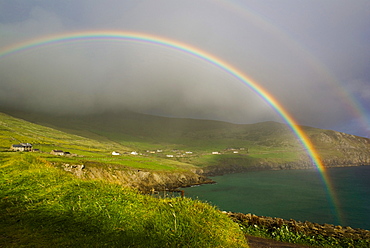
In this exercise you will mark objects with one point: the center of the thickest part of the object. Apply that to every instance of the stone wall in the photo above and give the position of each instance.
(308, 228)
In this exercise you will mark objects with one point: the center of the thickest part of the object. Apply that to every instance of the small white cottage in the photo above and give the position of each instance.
(57, 152)
(22, 147)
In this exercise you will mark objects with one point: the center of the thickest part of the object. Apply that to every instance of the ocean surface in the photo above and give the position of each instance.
(294, 194)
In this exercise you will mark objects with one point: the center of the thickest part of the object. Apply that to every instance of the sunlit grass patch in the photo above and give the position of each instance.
(42, 206)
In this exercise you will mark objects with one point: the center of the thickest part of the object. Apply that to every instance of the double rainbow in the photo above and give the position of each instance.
(355, 107)
(193, 51)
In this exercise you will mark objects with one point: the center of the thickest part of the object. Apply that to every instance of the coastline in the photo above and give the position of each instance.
(352, 203)
(212, 171)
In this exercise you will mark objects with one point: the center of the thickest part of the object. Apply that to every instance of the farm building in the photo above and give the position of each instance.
(22, 147)
(57, 152)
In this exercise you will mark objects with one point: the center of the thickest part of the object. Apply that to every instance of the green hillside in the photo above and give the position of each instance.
(147, 130)
(82, 149)
(187, 140)
(14, 130)
(172, 143)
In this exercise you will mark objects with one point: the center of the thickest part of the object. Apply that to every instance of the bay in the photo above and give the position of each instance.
(294, 194)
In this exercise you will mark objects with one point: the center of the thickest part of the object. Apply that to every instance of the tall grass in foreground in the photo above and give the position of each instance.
(41, 206)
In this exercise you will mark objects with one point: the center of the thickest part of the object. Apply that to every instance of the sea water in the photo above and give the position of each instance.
(294, 194)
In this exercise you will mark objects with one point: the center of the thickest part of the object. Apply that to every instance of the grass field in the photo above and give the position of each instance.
(42, 206)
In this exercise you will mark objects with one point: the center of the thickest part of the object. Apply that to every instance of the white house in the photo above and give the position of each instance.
(115, 153)
(57, 152)
(22, 147)
(134, 153)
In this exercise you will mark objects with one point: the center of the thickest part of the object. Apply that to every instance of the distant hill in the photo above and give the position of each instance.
(215, 146)
(15, 130)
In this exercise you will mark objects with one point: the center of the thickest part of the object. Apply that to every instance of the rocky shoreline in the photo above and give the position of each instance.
(307, 228)
(302, 165)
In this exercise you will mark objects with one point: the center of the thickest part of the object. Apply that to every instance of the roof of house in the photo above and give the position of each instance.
(17, 146)
(22, 145)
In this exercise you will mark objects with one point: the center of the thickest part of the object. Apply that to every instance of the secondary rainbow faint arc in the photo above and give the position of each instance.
(242, 9)
(165, 42)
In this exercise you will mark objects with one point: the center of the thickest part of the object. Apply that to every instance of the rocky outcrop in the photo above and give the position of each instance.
(345, 149)
(307, 228)
(145, 181)
(76, 169)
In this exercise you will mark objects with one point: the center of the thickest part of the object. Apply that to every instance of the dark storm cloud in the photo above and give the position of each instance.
(304, 52)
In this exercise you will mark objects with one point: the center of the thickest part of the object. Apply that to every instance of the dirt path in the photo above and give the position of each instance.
(255, 242)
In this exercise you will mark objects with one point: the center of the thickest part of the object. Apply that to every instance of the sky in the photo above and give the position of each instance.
(313, 56)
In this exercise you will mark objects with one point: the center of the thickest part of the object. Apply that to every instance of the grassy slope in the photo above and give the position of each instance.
(42, 206)
(14, 131)
(263, 141)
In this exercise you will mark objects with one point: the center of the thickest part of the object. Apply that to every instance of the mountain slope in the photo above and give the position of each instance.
(86, 150)
(14, 130)
(253, 146)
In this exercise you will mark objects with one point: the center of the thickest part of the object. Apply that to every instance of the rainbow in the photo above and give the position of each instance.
(193, 51)
(353, 105)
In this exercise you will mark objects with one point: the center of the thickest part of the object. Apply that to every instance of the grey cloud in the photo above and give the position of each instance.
(303, 53)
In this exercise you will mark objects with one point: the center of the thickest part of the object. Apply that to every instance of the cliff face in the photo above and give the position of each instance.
(340, 149)
(336, 149)
(145, 181)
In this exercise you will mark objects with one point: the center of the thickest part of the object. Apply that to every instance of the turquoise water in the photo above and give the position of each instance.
(293, 194)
